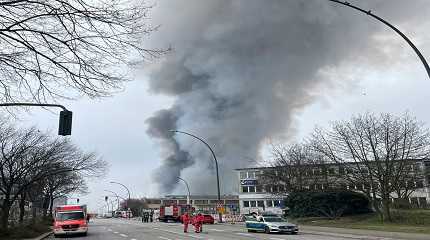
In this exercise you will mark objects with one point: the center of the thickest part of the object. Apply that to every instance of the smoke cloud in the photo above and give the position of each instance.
(242, 69)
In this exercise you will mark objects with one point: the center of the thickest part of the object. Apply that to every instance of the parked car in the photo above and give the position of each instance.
(208, 219)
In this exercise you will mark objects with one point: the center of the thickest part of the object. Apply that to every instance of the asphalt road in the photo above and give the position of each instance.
(123, 229)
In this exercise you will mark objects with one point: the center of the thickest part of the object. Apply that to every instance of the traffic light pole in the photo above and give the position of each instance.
(65, 122)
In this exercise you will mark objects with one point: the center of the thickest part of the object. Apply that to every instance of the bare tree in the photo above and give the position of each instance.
(376, 152)
(30, 158)
(48, 46)
(298, 168)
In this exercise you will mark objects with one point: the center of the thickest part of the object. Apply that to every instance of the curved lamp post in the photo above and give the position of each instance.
(188, 189)
(214, 157)
(411, 44)
(117, 197)
(126, 203)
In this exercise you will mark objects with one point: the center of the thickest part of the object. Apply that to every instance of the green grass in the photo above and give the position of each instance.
(411, 221)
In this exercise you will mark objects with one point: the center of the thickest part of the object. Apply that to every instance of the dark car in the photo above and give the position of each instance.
(208, 219)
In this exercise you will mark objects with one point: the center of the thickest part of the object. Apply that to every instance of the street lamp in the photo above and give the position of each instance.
(188, 189)
(216, 164)
(117, 197)
(369, 13)
(65, 120)
(126, 203)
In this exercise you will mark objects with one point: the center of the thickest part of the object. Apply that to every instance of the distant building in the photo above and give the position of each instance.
(203, 203)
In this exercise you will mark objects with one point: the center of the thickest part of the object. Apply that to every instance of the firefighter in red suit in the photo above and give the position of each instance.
(200, 220)
(186, 220)
(195, 223)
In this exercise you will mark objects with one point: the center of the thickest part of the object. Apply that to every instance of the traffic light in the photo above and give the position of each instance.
(65, 123)
(106, 198)
(77, 200)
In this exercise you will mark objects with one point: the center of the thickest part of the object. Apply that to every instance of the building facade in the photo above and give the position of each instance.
(256, 194)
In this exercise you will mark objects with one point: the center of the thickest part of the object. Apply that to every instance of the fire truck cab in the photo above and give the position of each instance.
(70, 220)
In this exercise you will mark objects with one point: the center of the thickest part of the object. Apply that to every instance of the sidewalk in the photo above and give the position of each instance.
(361, 234)
(353, 233)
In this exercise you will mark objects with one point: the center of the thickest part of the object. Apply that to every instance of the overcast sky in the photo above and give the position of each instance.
(270, 71)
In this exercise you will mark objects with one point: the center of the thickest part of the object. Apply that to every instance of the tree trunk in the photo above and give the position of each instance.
(22, 208)
(386, 209)
(51, 203)
(5, 215)
(376, 206)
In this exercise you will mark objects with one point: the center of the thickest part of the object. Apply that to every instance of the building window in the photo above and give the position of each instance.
(253, 203)
(260, 203)
(245, 189)
(277, 203)
(251, 188)
(242, 175)
(259, 188)
(245, 203)
(269, 203)
(268, 188)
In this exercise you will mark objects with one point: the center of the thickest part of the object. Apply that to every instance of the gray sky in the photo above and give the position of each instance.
(245, 73)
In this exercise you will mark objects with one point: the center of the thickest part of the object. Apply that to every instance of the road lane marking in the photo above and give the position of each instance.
(277, 239)
(133, 239)
(245, 234)
(164, 238)
(116, 232)
(216, 230)
(123, 235)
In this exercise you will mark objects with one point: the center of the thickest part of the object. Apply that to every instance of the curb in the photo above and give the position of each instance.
(43, 236)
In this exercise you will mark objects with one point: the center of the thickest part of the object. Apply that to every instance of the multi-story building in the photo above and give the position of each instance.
(257, 194)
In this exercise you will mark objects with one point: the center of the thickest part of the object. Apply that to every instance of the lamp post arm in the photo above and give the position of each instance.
(411, 44)
(188, 188)
(34, 105)
(213, 155)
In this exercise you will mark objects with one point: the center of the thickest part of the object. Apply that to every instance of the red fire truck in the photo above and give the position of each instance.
(172, 212)
(70, 219)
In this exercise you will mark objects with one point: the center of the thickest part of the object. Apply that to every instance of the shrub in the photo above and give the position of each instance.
(326, 204)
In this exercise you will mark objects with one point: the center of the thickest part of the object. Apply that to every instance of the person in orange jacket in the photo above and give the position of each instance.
(200, 220)
(186, 220)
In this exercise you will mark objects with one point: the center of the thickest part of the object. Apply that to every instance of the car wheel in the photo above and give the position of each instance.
(294, 233)
(267, 229)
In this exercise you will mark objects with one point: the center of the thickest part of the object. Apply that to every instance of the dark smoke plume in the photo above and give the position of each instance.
(242, 69)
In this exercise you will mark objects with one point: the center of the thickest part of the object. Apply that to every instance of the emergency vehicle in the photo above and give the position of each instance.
(70, 220)
(172, 212)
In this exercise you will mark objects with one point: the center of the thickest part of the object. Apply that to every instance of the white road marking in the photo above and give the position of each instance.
(164, 238)
(123, 235)
(277, 239)
(110, 230)
(245, 234)
(133, 239)
(216, 230)
(116, 232)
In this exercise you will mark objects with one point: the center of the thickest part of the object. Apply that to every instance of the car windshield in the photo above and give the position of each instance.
(65, 216)
(274, 219)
